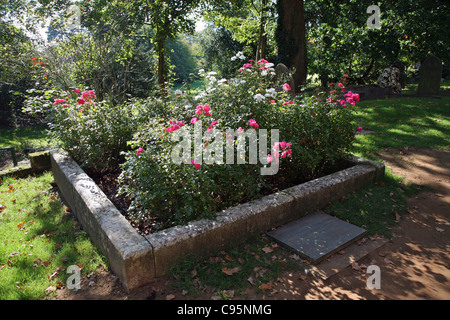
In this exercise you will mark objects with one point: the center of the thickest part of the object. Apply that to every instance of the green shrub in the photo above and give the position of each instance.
(315, 133)
(93, 133)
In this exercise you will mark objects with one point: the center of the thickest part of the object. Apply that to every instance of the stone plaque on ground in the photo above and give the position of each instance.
(317, 236)
(430, 75)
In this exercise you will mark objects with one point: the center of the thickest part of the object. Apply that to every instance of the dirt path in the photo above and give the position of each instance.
(414, 265)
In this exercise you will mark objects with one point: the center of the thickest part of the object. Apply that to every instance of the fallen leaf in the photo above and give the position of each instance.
(170, 297)
(46, 263)
(267, 249)
(54, 274)
(228, 258)
(355, 266)
(388, 261)
(12, 254)
(397, 217)
(229, 271)
(251, 281)
(50, 289)
(303, 276)
(295, 257)
(266, 286)
(439, 229)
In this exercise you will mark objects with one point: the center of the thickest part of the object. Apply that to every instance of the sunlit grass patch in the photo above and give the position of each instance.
(39, 240)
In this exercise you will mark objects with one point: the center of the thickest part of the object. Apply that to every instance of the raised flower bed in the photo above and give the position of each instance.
(138, 259)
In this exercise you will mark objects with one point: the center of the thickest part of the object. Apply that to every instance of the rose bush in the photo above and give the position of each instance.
(316, 132)
(93, 132)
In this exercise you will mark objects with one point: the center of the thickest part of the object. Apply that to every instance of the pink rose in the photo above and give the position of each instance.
(81, 101)
(197, 166)
(286, 87)
(194, 120)
(140, 150)
(359, 129)
(269, 158)
(340, 85)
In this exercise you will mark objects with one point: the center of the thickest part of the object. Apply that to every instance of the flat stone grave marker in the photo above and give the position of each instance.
(430, 75)
(317, 236)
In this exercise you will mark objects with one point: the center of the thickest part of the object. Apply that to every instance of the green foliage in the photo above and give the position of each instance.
(217, 47)
(93, 133)
(341, 43)
(317, 130)
(250, 23)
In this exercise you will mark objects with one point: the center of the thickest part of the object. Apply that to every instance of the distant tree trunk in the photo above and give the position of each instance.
(291, 38)
(262, 40)
(161, 62)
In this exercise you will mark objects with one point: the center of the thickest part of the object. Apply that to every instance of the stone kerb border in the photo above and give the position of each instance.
(137, 260)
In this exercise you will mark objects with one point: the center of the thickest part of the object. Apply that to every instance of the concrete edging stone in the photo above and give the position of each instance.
(137, 260)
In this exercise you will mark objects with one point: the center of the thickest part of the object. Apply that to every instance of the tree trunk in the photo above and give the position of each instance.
(291, 39)
(161, 78)
(262, 40)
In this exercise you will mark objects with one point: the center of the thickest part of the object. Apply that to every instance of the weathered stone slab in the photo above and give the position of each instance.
(370, 92)
(40, 160)
(129, 254)
(282, 76)
(430, 75)
(317, 236)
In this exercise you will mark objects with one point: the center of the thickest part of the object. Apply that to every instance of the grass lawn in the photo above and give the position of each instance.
(39, 240)
(396, 123)
(21, 138)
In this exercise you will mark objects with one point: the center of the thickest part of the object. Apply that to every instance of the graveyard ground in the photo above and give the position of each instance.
(414, 264)
(411, 135)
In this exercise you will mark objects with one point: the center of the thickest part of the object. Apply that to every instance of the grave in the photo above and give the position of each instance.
(370, 92)
(282, 76)
(317, 236)
(430, 75)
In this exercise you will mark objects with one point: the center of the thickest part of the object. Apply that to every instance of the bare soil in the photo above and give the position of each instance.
(415, 264)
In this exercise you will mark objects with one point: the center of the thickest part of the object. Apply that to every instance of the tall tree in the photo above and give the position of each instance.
(290, 35)
(251, 22)
(167, 18)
